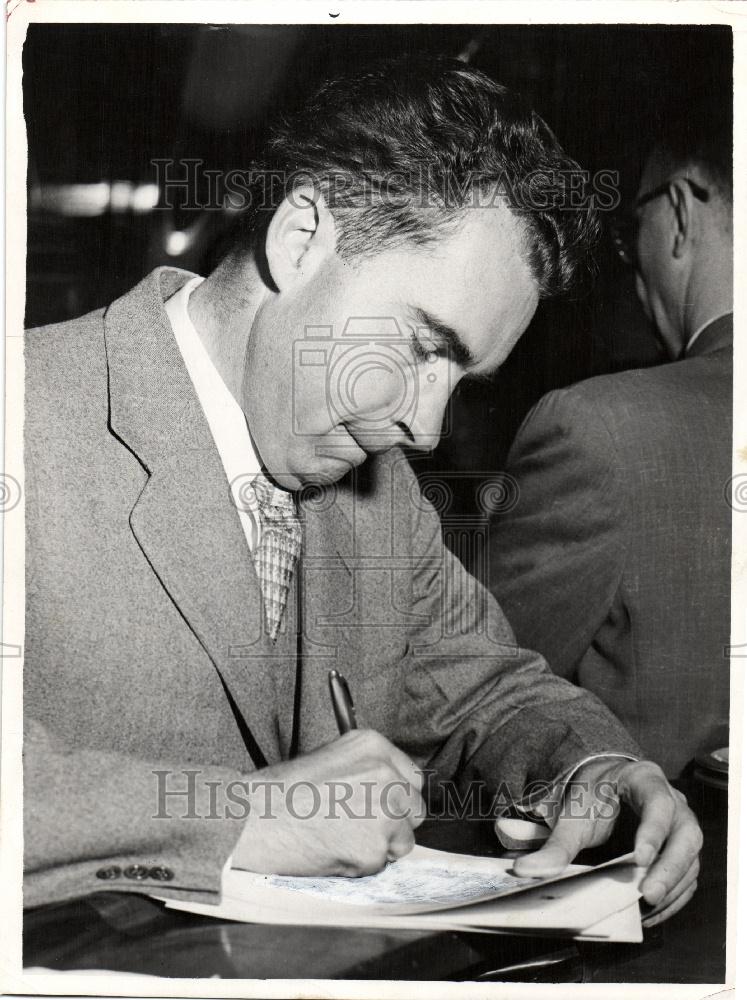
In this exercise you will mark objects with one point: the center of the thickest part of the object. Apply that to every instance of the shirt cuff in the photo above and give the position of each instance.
(541, 803)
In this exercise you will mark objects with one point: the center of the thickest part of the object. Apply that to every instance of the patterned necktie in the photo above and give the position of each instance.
(279, 546)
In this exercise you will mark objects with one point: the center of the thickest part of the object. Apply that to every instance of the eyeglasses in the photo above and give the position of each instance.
(624, 231)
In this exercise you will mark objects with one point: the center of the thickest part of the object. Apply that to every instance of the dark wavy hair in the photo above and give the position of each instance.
(401, 148)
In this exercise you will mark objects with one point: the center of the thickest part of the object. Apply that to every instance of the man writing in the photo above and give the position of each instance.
(178, 627)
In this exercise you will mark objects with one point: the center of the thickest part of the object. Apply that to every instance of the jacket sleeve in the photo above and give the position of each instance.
(477, 704)
(123, 823)
(556, 559)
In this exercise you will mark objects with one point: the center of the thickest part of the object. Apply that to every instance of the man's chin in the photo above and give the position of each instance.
(330, 468)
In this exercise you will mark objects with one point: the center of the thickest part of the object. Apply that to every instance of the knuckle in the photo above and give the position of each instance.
(403, 841)
(417, 816)
(364, 867)
(698, 837)
(690, 830)
(383, 772)
(416, 778)
(647, 767)
(347, 869)
(356, 737)
(368, 738)
(373, 859)
(696, 844)
(404, 815)
(626, 770)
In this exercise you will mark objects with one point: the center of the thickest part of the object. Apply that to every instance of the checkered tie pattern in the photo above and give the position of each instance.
(279, 547)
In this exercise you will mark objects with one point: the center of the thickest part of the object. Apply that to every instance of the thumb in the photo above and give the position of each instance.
(560, 848)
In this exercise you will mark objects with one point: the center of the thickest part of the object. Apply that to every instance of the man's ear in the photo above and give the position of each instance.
(681, 198)
(300, 236)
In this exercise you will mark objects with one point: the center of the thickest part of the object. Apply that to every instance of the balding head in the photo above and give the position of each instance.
(684, 219)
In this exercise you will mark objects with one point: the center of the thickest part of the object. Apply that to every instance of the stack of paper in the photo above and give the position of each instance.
(437, 890)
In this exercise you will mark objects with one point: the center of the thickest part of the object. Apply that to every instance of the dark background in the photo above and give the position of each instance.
(102, 101)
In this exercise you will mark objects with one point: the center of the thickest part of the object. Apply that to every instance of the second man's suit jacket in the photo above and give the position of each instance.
(145, 653)
(615, 561)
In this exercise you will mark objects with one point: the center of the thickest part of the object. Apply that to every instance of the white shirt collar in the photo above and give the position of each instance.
(224, 416)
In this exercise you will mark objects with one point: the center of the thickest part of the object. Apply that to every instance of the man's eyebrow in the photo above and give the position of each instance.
(459, 350)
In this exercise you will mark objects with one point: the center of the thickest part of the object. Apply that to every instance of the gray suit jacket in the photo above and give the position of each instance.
(145, 648)
(615, 562)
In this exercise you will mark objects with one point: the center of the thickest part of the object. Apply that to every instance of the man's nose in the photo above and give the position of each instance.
(427, 421)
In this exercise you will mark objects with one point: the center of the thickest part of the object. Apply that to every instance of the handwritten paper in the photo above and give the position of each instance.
(422, 882)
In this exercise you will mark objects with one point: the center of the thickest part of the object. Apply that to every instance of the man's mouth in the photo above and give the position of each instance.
(345, 448)
(373, 440)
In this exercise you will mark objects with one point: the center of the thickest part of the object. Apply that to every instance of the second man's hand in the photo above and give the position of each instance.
(345, 809)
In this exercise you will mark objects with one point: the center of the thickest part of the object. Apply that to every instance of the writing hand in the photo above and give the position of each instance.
(345, 809)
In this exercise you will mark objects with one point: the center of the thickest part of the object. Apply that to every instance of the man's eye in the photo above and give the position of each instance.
(424, 350)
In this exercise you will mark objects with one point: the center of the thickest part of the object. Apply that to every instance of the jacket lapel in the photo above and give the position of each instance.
(184, 519)
(716, 336)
